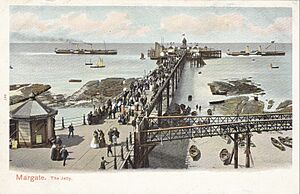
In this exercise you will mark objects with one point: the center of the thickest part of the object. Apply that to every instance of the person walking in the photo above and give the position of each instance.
(110, 134)
(64, 154)
(133, 123)
(103, 163)
(109, 150)
(71, 130)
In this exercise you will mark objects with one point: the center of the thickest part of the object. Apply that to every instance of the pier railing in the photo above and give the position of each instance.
(217, 129)
(175, 121)
(64, 122)
(166, 85)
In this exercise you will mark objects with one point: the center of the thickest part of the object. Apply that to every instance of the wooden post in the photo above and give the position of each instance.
(84, 120)
(130, 138)
(236, 152)
(127, 144)
(62, 122)
(248, 141)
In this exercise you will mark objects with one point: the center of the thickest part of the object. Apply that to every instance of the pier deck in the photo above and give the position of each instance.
(81, 156)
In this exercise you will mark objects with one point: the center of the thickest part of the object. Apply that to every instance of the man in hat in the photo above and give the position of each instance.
(71, 130)
(64, 154)
(103, 163)
(109, 150)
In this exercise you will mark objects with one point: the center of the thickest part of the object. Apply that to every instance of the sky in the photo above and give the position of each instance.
(146, 24)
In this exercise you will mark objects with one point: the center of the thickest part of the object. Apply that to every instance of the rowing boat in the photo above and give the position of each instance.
(286, 141)
(195, 153)
(277, 144)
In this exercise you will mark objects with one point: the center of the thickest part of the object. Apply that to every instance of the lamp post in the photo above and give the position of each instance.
(114, 140)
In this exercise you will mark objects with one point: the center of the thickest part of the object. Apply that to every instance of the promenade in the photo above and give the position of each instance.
(81, 155)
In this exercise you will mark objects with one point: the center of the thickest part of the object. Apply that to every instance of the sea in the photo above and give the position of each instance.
(38, 63)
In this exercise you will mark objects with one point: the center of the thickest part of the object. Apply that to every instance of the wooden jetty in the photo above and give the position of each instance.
(155, 130)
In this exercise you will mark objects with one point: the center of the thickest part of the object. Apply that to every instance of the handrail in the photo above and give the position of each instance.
(211, 125)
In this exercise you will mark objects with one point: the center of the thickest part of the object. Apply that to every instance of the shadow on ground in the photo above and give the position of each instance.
(72, 141)
(170, 155)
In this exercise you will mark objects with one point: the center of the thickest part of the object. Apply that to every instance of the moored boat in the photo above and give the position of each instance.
(285, 141)
(273, 67)
(142, 56)
(99, 64)
(89, 63)
(75, 80)
(277, 144)
(217, 102)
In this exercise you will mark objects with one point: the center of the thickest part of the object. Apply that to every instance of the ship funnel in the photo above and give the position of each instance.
(247, 49)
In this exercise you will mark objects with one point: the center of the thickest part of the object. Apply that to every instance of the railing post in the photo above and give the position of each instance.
(84, 120)
(130, 138)
(122, 154)
(127, 146)
(62, 122)
(248, 142)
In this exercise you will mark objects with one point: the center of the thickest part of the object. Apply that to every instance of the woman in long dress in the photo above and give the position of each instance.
(102, 142)
(95, 140)
(53, 152)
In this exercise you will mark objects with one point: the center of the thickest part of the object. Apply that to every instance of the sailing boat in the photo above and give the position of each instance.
(89, 63)
(99, 64)
(142, 56)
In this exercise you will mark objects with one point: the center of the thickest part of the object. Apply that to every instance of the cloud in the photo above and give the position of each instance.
(282, 25)
(142, 31)
(26, 21)
(202, 25)
(117, 24)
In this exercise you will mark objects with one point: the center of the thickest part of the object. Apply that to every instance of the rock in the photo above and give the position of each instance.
(99, 91)
(232, 106)
(284, 104)
(236, 87)
(253, 107)
(21, 92)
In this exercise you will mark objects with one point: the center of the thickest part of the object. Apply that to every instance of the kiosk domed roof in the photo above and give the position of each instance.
(32, 108)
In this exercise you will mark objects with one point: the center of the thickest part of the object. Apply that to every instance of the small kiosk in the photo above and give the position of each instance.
(32, 123)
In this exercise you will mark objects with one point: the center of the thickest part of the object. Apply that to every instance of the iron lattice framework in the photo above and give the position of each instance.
(177, 128)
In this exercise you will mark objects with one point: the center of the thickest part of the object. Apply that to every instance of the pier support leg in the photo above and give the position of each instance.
(248, 142)
(168, 95)
(176, 78)
(146, 160)
(236, 152)
(136, 150)
(159, 104)
(173, 85)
